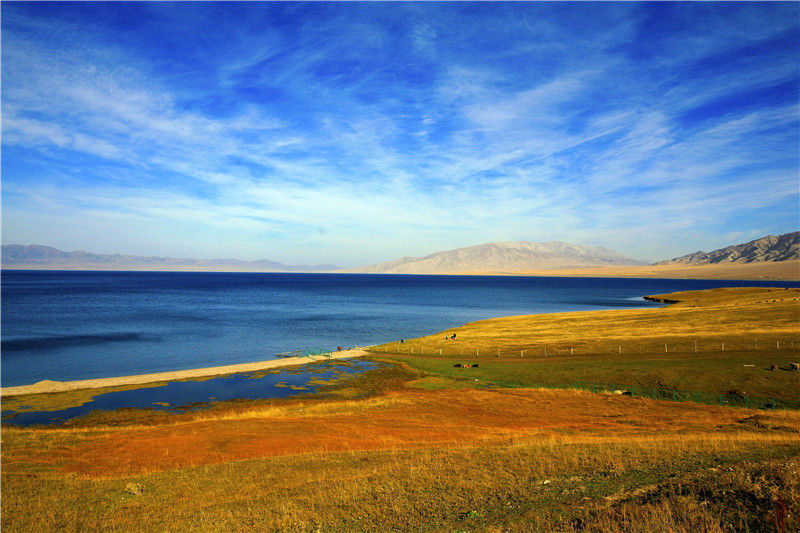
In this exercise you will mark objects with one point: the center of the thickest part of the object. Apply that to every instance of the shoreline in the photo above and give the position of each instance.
(787, 270)
(49, 386)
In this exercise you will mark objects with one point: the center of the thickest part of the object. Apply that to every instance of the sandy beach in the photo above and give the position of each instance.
(60, 386)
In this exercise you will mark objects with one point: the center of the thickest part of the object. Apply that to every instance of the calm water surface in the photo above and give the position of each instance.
(81, 325)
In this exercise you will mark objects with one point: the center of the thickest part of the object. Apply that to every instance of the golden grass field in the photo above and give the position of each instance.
(421, 446)
(736, 317)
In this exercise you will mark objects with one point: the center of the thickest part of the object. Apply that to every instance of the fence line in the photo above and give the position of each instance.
(456, 348)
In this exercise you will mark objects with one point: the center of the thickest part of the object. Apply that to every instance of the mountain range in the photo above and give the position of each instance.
(496, 257)
(769, 248)
(35, 257)
(504, 256)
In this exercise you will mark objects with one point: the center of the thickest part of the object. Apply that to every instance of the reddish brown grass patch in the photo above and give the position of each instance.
(417, 418)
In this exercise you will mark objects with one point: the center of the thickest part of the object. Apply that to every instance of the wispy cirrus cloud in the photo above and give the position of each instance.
(360, 133)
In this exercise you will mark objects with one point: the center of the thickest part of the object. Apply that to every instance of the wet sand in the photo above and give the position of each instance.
(61, 386)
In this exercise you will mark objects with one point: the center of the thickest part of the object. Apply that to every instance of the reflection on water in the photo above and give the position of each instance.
(201, 392)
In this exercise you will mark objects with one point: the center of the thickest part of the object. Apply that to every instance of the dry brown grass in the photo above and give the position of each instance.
(521, 460)
(736, 317)
(398, 420)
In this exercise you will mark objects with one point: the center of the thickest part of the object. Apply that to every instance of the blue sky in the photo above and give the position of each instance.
(354, 133)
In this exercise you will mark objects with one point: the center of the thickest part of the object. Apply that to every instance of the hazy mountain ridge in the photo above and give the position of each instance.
(34, 256)
(491, 257)
(504, 256)
(770, 248)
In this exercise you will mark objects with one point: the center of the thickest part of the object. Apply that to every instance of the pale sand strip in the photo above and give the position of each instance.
(60, 386)
(769, 270)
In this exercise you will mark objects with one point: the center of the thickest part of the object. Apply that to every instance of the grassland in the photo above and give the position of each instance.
(422, 446)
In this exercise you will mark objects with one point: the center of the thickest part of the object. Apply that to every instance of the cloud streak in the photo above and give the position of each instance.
(355, 133)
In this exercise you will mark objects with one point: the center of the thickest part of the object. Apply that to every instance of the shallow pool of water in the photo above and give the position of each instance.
(202, 392)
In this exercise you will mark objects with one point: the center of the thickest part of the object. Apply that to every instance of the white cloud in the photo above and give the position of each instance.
(322, 126)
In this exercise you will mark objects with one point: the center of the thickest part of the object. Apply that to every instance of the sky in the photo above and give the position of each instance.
(354, 133)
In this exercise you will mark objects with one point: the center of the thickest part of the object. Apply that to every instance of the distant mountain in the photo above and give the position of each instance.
(504, 257)
(35, 257)
(769, 248)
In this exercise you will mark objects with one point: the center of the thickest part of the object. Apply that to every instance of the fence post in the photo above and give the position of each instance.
(723, 346)
(674, 395)
(695, 345)
(476, 352)
(620, 348)
(570, 350)
(773, 403)
(545, 351)
(746, 402)
(440, 351)
(665, 348)
(652, 393)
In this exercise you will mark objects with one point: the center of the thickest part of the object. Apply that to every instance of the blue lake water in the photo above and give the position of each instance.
(82, 325)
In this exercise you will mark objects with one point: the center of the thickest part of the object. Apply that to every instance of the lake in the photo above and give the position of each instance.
(81, 325)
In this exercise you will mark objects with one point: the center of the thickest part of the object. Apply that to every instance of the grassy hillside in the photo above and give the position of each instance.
(423, 446)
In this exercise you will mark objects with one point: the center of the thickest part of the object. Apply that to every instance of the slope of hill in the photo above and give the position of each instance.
(770, 248)
(503, 257)
(35, 257)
